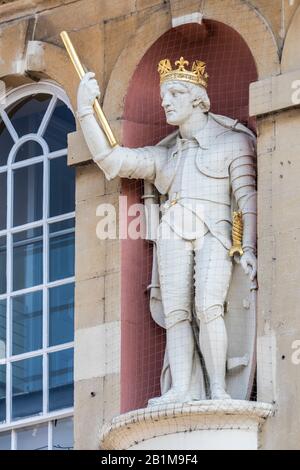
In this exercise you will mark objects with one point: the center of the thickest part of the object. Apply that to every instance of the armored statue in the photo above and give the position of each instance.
(205, 169)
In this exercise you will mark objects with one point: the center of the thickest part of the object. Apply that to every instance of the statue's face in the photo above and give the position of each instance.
(177, 101)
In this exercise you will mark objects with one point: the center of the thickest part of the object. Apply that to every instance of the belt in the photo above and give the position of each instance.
(177, 196)
(172, 201)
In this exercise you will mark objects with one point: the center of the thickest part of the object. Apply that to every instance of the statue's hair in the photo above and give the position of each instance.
(198, 92)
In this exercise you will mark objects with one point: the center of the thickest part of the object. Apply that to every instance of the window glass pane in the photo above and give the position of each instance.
(63, 225)
(28, 150)
(2, 329)
(27, 399)
(28, 258)
(61, 379)
(35, 438)
(2, 393)
(26, 114)
(62, 187)
(61, 250)
(63, 434)
(6, 143)
(2, 265)
(27, 311)
(5, 441)
(3, 197)
(28, 194)
(61, 123)
(61, 314)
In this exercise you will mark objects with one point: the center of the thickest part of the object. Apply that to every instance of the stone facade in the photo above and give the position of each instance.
(112, 36)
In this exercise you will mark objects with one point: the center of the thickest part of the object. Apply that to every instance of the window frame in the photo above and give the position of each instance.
(27, 423)
(50, 88)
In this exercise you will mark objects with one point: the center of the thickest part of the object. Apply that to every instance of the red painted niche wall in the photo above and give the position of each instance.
(231, 69)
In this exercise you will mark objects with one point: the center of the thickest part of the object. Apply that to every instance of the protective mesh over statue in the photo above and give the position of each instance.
(206, 170)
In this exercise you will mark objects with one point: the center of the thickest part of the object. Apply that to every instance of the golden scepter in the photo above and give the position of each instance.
(237, 234)
(81, 72)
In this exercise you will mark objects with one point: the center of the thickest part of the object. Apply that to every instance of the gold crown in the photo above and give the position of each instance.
(197, 75)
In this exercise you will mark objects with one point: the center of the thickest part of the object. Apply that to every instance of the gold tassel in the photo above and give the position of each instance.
(237, 234)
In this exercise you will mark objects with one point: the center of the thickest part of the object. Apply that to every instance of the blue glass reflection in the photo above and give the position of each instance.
(2, 329)
(28, 258)
(28, 194)
(27, 313)
(61, 379)
(61, 250)
(60, 125)
(2, 393)
(35, 438)
(5, 441)
(2, 265)
(3, 204)
(6, 143)
(63, 434)
(26, 114)
(27, 382)
(61, 314)
(29, 149)
(62, 187)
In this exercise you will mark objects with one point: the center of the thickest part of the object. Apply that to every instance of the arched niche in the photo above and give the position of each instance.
(247, 20)
(237, 14)
(232, 68)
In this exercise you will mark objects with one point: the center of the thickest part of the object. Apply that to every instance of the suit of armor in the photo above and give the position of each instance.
(203, 170)
(201, 177)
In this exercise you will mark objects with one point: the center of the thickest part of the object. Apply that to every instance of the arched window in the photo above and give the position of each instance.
(37, 191)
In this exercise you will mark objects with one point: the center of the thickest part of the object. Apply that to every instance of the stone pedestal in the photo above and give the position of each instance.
(202, 425)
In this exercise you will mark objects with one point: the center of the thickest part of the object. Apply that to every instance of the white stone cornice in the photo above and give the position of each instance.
(135, 429)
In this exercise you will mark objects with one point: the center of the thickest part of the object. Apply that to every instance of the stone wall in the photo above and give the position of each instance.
(112, 36)
(279, 296)
(278, 245)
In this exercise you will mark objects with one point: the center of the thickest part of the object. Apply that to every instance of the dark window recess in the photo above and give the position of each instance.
(62, 122)
(27, 114)
(28, 150)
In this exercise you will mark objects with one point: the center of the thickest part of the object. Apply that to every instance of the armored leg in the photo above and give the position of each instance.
(175, 261)
(212, 278)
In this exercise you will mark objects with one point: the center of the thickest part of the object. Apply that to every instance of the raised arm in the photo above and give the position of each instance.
(95, 138)
(117, 161)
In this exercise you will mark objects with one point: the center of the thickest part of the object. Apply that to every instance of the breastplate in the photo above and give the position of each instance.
(191, 179)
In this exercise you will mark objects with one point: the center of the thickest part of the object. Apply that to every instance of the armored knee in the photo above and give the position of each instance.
(207, 314)
(176, 316)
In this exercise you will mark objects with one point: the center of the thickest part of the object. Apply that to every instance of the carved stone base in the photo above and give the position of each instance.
(202, 425)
